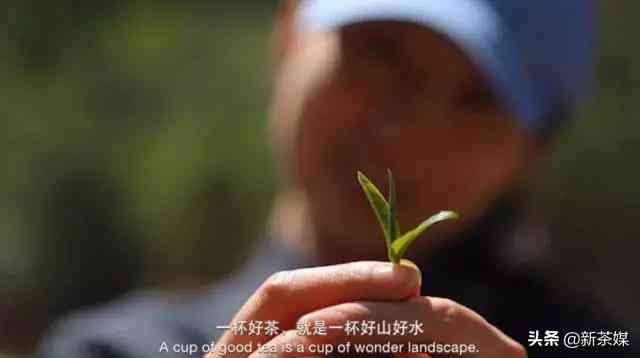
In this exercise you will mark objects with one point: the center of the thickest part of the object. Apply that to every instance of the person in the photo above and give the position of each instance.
(461, 100)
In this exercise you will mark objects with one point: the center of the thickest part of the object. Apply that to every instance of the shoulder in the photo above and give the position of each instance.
(140, 324)
(118, 329)
(137, 325)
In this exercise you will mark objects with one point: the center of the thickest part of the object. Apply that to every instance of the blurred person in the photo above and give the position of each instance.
(461, 100)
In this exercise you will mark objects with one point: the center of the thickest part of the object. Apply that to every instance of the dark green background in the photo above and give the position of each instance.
(133, 153)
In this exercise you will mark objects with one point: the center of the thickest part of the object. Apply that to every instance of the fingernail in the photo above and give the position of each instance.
(411, 264)
(391, 272)
(384, 271)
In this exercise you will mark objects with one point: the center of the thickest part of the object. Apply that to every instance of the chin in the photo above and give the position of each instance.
(350, 232)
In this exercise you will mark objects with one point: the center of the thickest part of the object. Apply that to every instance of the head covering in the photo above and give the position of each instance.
(537, 55)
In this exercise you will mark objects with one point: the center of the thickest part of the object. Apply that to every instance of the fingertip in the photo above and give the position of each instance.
(406, 277)
(410, 264)
(400, 279)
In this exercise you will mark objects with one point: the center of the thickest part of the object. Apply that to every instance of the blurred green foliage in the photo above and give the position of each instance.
(133, 138)
(589, 190)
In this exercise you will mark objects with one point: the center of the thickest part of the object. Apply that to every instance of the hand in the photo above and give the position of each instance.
(366, 290)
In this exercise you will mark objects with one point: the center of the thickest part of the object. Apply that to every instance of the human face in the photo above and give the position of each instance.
(395, 95)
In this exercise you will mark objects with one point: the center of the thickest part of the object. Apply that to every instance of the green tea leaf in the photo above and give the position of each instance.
(401, 244)
(394, 231)
(386, 212)
(378, 203)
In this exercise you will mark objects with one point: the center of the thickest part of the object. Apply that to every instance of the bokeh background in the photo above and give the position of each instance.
(133, 154)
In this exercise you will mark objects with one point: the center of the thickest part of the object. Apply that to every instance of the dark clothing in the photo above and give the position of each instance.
(492, 271)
